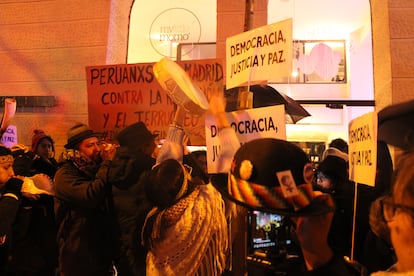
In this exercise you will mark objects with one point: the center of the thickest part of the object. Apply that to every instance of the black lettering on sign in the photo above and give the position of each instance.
(122, 75)
(213, 131)
(215, 152)
(359, 134)
(155, 97)
(204, 72)
(276, 57)
(120, 120)
(155, 117)
(124, 97)
(361, 158)
(254, 126)
(106, 119)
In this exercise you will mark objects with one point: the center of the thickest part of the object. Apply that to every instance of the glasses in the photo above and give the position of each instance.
(389, 208)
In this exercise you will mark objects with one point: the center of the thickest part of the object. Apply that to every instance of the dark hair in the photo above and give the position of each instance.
(163, 183)
(4, 151)
(335, 169)
(198, 171)
(340, 144)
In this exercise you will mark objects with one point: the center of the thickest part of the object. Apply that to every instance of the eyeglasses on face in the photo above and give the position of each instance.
(390, 208)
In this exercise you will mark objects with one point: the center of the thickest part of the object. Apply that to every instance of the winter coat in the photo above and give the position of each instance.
(34, 249)
(10, 200)
(48, 167)
(83, 219)
(130, 209)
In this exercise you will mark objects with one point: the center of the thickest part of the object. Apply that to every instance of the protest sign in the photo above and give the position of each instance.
(263, 53)
(122, 94)
(9, 137)
(249, 124)
(362, 136)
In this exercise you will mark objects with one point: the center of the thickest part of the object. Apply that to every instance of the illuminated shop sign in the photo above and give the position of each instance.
(172, 27)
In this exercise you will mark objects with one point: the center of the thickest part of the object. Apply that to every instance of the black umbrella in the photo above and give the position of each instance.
(396, 124)
(265, 95)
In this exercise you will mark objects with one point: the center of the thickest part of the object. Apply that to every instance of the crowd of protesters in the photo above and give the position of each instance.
(119, 209)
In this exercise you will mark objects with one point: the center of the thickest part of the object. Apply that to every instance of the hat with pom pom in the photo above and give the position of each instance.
(271, 175)
(39, 135)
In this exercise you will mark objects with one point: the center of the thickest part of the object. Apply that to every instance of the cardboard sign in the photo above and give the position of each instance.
(362, 139)
(9, 138)
(122, 94)
(261, 54)
(264, 122)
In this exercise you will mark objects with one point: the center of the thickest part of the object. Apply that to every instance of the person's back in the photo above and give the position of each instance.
(186, 231)
(332, 178)
(133, 157)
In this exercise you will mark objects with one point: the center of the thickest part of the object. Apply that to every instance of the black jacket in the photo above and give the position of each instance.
(83, 219)
(130, 209)
(10, 200)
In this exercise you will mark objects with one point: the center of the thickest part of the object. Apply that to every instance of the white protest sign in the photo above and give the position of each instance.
(362, 138)
(263, 53)
(249, 124)
(9, 137)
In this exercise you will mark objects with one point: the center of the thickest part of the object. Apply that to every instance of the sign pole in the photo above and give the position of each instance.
(354, 220)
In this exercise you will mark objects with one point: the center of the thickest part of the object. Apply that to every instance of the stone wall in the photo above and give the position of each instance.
(44, 48)
(401, 22)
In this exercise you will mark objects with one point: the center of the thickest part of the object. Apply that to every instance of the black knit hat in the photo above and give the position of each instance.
(271, 175)
(135, 135)
(5, 154)
(78, 133)
(335, 168)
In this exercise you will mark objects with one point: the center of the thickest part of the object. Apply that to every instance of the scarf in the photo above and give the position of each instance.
(81, 162)
(194, 241)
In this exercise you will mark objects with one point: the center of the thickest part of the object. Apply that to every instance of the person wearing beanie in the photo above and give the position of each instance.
(37, 249)
(43, 147)
(83, 205)
(38, 137)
